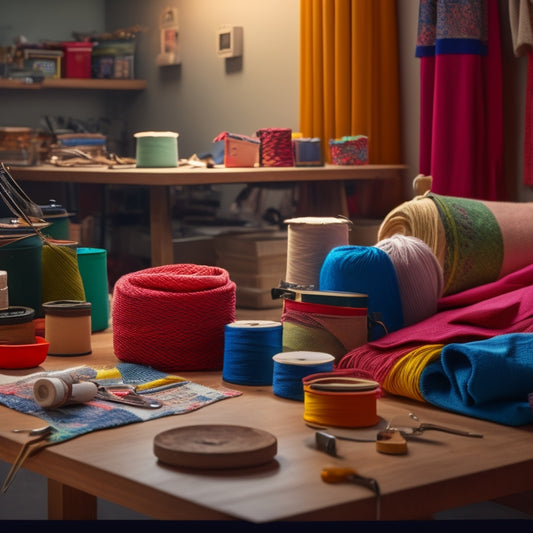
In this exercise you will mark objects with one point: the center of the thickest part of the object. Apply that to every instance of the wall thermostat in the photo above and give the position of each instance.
(229, 41)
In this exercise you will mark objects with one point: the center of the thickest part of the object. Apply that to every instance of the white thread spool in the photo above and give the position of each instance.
(50, 393)
(309, 240)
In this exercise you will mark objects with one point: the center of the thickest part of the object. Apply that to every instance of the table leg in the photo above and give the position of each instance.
(162, 251)
(68, 503)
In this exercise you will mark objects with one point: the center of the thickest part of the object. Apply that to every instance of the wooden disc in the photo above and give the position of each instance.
(215, 446)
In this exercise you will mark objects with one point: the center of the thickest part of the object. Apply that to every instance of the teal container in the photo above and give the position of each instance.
(58, 218)
(22, 260)
(92, 263)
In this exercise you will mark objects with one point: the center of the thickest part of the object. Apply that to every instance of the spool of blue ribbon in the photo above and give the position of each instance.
(249, 346)
(291, 367)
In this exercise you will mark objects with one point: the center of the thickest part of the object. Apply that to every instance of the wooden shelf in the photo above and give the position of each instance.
(76, 83)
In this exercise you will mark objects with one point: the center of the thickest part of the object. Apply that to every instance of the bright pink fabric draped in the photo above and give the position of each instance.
(461, 121)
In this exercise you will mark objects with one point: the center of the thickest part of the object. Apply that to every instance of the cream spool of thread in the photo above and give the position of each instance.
(309, 240)
(16, 325)
(4, 291)
(67, 327)
(156, 149)
(50, 393)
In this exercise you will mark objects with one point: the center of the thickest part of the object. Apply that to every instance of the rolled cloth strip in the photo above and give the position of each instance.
(172, 317)
(419, 275)
(368, 270)
(476, 242)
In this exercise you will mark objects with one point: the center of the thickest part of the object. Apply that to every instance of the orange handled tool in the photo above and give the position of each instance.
(343, 474)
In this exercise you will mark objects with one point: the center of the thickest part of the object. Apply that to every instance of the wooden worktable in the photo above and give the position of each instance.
(333, 199)
(440, 471)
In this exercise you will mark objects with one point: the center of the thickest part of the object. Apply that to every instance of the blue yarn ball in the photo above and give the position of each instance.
(367, 270)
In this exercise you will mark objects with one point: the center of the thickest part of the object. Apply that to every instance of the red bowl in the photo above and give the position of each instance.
(17, 356)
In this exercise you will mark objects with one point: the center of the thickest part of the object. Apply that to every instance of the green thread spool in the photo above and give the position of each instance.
(92, 263)
(156, 149)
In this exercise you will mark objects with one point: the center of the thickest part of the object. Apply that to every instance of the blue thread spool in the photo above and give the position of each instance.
(291, 367)
(249, 347)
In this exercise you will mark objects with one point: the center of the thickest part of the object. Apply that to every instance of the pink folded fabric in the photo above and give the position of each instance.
(505, 306)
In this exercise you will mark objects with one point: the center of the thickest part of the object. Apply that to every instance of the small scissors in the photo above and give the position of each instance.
(408, 429)
(126, 394)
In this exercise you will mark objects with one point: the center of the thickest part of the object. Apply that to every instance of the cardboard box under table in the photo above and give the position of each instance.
(256, 262)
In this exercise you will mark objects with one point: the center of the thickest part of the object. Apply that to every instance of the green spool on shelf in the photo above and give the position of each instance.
(156, 149)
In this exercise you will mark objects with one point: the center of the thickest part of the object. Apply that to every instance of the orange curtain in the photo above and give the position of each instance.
(349, 81)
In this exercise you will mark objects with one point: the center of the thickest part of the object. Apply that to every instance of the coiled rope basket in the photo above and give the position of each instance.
(172, 317)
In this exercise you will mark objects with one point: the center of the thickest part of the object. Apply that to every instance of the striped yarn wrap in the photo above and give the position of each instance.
(172, 317)
(276, 147)
(326, 328)
(419, 273)
(476, 242)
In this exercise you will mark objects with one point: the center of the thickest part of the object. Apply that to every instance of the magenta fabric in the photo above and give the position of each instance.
(528, 121)
(505, 306)
(461, 107)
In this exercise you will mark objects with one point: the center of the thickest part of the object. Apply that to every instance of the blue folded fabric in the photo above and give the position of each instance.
(488, 379)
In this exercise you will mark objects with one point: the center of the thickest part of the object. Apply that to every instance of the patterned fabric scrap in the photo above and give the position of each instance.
(178, 395)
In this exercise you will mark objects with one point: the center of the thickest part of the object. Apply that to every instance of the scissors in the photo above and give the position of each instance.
(126, 394)
(408, 429)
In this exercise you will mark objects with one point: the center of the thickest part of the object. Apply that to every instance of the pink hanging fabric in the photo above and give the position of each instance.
(521, 23)
(461, 119)
(528, 124)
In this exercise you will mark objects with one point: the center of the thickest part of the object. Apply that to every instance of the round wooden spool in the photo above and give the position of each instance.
(215, 446)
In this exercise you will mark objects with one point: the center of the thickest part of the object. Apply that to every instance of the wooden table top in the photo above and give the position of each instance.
(440, 471)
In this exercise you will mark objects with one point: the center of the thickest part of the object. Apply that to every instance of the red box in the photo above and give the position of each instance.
(77, 59)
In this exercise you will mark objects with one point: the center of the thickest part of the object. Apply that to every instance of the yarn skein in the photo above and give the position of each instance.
(419, 273)
(368, 270)
(309, 239)
(172, 317)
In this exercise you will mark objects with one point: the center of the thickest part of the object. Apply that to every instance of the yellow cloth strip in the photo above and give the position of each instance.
(114, 373)
(404, 377)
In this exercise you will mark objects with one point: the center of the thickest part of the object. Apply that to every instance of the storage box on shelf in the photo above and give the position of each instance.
(113, 59)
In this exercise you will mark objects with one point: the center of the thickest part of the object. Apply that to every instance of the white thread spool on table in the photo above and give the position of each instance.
(309, 240)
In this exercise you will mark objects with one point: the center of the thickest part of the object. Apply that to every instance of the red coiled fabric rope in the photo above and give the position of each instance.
(172, 317)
